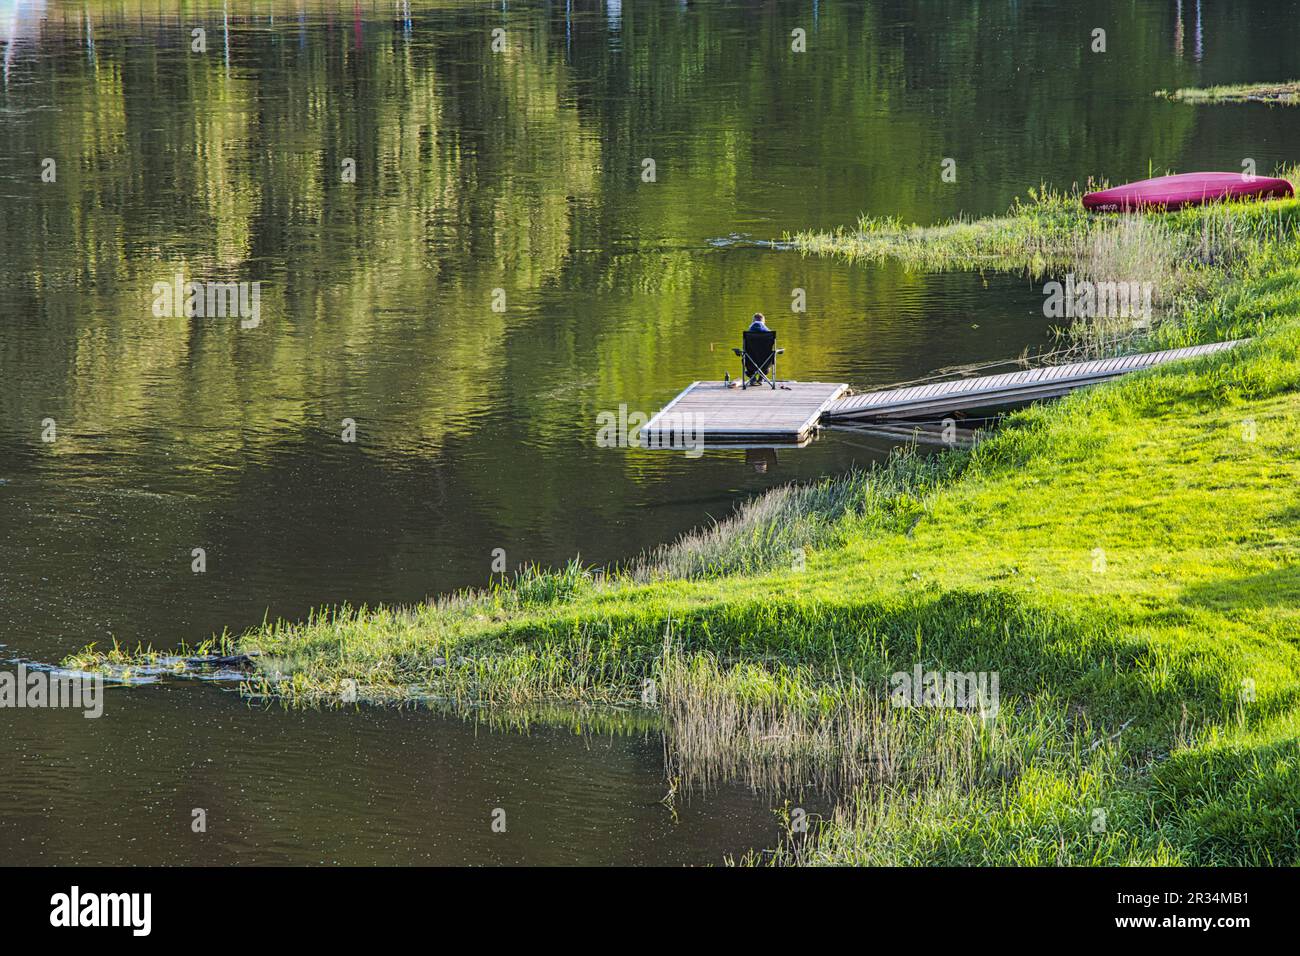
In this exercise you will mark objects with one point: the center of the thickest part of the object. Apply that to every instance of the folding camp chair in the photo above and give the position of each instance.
(758, 354)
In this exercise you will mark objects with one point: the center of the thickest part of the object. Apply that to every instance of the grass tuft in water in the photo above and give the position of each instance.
(1274, 94)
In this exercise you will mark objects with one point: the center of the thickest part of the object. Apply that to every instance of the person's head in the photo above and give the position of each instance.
(758, 317)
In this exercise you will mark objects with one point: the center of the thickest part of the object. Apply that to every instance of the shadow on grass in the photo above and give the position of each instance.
(1277, 588)
(1236, 804)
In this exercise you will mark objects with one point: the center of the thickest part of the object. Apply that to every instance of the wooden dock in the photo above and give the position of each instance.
(710, 412)
(998, 391)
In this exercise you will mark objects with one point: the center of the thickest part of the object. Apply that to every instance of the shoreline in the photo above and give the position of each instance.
(771, 638)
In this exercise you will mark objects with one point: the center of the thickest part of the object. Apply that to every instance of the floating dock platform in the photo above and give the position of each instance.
(713, 413)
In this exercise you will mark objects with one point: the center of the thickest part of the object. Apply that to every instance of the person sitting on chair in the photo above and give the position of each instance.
(757, 354)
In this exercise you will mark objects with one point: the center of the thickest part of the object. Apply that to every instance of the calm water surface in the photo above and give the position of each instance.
(476, 171)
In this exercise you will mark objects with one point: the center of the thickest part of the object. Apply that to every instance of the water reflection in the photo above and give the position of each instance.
(1198, 39)
(494, 277)
(761, 460)
(19, 21)
(355, 786)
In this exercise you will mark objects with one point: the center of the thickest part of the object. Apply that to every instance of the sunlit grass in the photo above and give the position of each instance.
(1282, 94)
(1127, 560)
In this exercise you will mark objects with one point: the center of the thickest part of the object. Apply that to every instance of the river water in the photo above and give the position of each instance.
(461, 251)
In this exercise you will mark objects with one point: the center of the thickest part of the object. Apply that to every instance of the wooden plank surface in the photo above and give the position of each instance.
(712, 412)
(1006, 389)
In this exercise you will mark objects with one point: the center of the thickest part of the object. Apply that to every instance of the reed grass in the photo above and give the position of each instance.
(779, 527)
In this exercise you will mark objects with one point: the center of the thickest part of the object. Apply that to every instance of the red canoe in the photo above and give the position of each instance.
(1186, 189)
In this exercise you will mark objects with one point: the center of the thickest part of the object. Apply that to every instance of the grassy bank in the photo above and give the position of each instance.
(1186, 257)
(1124, 560)
(1283, 94)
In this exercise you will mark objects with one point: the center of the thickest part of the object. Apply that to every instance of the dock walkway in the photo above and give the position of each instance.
(998, 391)
(713, 413)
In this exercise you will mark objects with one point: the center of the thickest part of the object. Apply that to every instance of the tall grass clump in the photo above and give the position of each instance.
(785, 728)
(535, 586)
(773, 528)
(1183, 257)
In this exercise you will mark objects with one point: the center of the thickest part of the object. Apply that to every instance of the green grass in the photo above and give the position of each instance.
(1285, 94)
(1126, 560)
(1185, 256)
